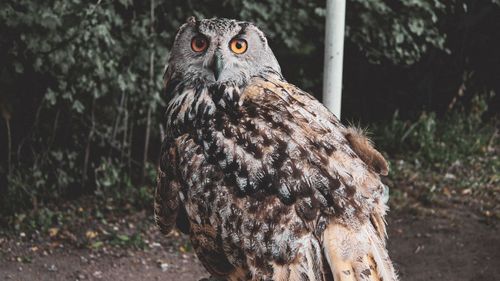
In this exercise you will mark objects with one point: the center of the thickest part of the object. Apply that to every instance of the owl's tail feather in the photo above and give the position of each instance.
(357, 255)
(307, 265)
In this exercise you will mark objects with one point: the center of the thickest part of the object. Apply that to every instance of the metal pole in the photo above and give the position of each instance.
(334, 55)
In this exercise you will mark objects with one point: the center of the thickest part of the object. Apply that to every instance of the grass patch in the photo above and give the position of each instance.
(438, 141)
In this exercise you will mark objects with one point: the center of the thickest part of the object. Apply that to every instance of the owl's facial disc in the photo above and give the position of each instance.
(220, 50)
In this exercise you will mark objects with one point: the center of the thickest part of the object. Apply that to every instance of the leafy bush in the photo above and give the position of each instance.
(439, 141)
(81, 81)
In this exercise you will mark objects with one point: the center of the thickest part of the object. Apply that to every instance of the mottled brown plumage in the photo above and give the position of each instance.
(267, 182)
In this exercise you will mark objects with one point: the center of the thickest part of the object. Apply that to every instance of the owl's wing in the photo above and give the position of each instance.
(181, 156)
(334, 167)
(311, 130)
(168, 211)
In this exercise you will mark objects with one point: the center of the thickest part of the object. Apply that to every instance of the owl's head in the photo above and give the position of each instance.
(218, 51)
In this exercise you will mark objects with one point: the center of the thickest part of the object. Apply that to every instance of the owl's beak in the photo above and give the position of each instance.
(217, 65)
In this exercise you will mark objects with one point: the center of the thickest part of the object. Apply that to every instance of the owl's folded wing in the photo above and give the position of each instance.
(302, 121)
(354, 238)
(168, 212)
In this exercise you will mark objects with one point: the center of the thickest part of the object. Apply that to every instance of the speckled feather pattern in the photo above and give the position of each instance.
(268, 183)
(258, 171)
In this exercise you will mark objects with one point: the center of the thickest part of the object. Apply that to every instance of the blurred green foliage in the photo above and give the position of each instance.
(434, 159)
(81, 81)
(438, 142)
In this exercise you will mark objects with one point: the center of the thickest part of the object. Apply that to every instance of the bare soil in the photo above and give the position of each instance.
(426, 244)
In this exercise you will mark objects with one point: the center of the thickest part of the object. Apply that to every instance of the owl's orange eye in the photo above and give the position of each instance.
(238, 46)
(199, 44)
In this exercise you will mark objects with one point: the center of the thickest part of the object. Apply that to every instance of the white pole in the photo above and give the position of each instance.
(334, 55)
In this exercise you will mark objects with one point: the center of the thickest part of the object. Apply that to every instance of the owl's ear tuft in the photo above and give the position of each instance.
(191, 20)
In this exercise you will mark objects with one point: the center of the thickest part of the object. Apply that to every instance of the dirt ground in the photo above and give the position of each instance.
(452, 244)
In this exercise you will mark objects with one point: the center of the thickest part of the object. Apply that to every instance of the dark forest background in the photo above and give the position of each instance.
(82, 106)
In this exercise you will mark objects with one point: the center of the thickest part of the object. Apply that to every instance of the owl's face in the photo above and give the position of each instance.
(219, 51)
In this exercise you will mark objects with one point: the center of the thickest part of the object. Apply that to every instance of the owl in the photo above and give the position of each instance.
(267, 183)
